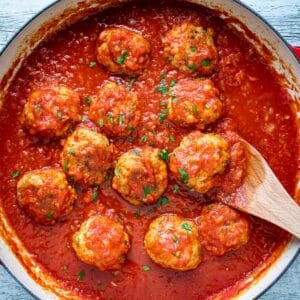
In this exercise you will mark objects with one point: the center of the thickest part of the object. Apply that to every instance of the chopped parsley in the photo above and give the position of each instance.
(131, 82)
(193, 49)
(183, 175)
(175, 188)
(130, 128)
(186, 227)
(137, 152)
(121, 119)
(147, 190)
(59, 114)
(195, 110)
(65, 267)
(205, 63)
(15, 174)
(71, 151)
(81, 275)
(146, 268)
(149, 211)
(161, 202)
(117, 172)
(95, 194)
(110, 118)
(101, 123)
(192, 67)
(121, 59)
(175, 239)
(162, 89)
(162, 115)
(138, 213)
(88, 100)
(92, 64)
(163, 75)
(164, 155)
(172, 138)
(66, 165)
(172, 83)
(143, 139)
(49, 215)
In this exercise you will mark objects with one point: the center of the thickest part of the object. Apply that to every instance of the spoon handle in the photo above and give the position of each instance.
(269, 199)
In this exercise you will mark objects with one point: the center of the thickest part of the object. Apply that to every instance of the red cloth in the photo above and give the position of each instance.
(297, 51)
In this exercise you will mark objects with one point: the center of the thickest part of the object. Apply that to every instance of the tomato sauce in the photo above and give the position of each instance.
(253, 98)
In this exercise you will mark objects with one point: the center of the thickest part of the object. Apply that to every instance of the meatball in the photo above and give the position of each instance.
(222, 229)
(191, 48)
(140, 176)
(87, 156)
(102, 242)
(194, 102)
(122, 50)
(172, 242)
(46, 195)
(198, 158)
(115, 110)
(51, 112)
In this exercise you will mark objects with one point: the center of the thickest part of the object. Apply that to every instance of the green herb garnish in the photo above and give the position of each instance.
(95, 194)
(172, 138)
(117, 172)
(15, 174)
(162, 89)
(205, 63)
(92, 64)
(66, 165)
(175, 188)
(186, 227)
(88, 100)
(49, 215)
(101, 123)
(121, 119)
(183, 175)
(164, 155)
(162, 201)
(147, 190)
(172, 83)
(121, 59)
(192, 67)
(146, 268)
(81, 275)
(162, 115)
(143, 139)
(71, 151)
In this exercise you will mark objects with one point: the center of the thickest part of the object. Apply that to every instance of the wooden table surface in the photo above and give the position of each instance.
(284, 15)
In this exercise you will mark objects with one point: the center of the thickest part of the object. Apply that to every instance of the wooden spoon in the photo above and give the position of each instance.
(266, 198)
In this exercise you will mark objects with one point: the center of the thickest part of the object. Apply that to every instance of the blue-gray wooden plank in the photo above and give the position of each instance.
(284, 15)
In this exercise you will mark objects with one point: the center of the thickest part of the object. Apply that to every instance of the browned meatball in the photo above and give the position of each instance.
(222, 229)
(46, 195)
(101, 242)
(51, 112)
(115, 110)
(199, 158)
(194, 102)
(191, 48)
(122, 50)
(173, 242)
(140, 176)
(87, 156)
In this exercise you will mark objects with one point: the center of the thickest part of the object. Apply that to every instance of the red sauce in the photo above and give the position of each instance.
(252, 97)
